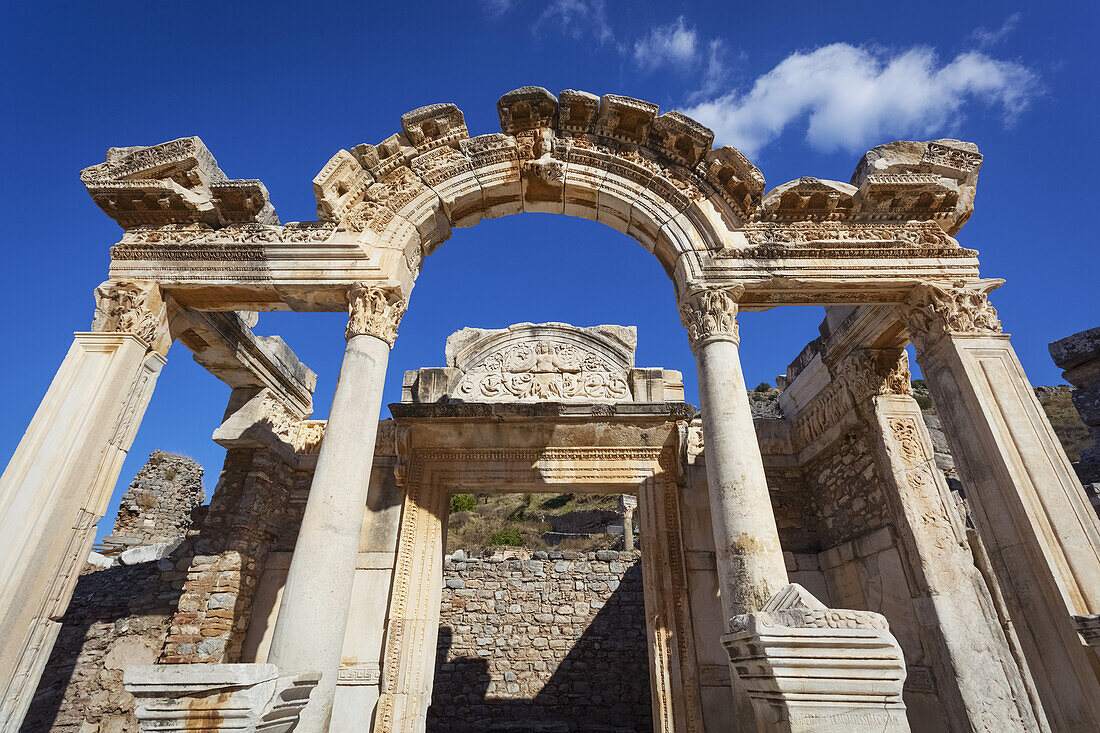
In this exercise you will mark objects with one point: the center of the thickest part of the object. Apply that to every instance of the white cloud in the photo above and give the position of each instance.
(673, 44)
(855, 97)
(578, 18)
(986, 37)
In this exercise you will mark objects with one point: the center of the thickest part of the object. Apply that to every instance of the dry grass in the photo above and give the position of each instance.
(531, 515)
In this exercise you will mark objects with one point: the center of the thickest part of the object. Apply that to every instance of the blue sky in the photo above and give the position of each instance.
(804, 88)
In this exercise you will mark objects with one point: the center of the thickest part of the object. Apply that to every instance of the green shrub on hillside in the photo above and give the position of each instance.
(463, 503)
(509, 537)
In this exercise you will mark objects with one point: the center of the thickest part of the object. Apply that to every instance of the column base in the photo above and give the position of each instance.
(249, 698)
(806, 667)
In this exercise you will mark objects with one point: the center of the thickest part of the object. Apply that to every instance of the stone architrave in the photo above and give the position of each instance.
(59, 481)
(309, 632)
(1042, 536)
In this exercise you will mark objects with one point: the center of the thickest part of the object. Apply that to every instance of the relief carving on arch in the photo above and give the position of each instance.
(544, 370)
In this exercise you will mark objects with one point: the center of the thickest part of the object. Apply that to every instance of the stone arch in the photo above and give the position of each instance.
(612, 159)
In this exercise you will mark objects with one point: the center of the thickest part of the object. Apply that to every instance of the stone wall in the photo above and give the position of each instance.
(542, 641)
(159, 504)
(118, 618)
(1079, 356)
(847, 490)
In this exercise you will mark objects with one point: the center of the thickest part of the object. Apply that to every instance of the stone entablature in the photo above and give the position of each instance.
(382, 209)
(542, 362)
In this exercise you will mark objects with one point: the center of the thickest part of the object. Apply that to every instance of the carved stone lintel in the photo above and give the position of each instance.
(711, 315)
(935, 310)
(375, 311)
(131, 307)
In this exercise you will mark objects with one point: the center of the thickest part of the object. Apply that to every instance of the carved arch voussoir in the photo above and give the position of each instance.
(650, 176)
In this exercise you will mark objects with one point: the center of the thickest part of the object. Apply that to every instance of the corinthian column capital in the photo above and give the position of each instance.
(375, 311)
(870, 372)
(135, 308)
(934, 310)
(711, 315)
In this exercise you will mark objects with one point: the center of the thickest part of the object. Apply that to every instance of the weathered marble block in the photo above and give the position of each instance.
(251, 698)
(807, 667)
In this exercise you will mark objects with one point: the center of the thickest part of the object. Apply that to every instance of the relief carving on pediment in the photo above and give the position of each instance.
(543, 370)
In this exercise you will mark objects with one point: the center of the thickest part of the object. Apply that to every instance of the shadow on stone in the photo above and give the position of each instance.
(600, 686)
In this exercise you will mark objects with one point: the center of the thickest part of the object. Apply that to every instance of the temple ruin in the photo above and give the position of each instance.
(810, 570)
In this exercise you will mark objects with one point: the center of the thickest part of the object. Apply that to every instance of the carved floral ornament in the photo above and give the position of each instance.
(544, 370)
(711, 315)
(869, 372)
(375, 311)
(935, 310)
(129, 307)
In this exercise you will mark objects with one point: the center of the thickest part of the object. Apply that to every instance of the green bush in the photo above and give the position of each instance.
(762, 387)
(509, 537)
(918, 384)
(463, 503)
(924, 401)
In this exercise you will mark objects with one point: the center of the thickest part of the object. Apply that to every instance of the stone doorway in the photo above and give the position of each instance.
(547, 636)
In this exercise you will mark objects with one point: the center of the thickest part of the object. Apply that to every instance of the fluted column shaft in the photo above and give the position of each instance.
(309, 632)
(746, 540)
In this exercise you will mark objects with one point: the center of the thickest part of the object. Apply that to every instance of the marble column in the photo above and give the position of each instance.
(59, 481)
(309, 632)
(749, 557)
(1042, 536)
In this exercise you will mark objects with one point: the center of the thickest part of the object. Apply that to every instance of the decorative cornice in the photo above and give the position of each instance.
(935, 310)
(131, 307)
(711, 315)
(374, 311)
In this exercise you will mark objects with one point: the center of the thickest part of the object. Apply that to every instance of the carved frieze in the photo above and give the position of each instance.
(935, 310)
(710, 315)
(905, 198)
(374, 311)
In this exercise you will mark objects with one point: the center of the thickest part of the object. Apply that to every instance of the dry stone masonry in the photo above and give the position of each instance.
(1079, 356)
(309, 598)
(159, 505)
(541, 641)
